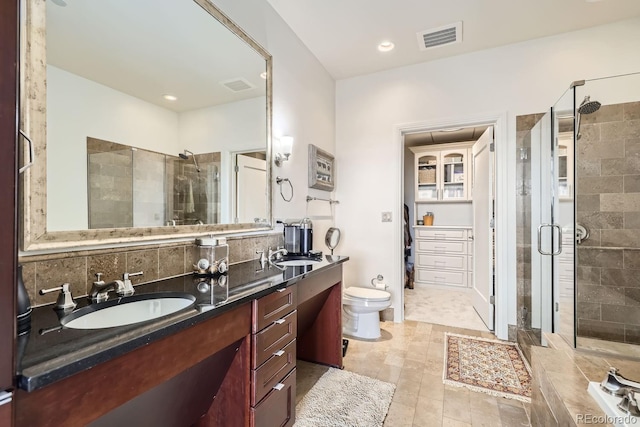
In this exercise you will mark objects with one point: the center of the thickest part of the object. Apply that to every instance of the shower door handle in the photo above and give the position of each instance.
(552, 226)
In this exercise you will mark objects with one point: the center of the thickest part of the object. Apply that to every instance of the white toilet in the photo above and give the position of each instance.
(361, 311)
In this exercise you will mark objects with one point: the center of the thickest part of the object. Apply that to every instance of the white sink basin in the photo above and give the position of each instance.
(297, 262)
(139, 308)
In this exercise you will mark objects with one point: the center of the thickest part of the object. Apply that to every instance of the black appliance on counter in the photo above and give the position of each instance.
(298, 237)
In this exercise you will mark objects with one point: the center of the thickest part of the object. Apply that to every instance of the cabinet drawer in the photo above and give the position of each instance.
(435, 277)
(449, 262)
(272, 307)
(441, 234)
(271, 372)
(453, 247)
(273, 338)
(279, 407)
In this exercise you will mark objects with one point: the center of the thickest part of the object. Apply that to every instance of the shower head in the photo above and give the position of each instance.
(588, 106)
(185, 156)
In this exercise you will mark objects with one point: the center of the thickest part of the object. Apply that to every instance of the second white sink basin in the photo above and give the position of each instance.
(297, 262)
(134, 309)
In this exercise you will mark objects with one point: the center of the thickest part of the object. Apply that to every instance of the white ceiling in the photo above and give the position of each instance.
(148, 48)
(344, 34)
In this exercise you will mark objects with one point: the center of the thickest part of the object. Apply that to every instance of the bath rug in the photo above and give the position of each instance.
(488, 366)
(345, 399)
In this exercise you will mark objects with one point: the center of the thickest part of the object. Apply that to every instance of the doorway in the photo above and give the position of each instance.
(462, 218)
(249, 187)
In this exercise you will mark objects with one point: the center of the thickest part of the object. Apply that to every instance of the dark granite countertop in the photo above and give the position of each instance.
(49, 352)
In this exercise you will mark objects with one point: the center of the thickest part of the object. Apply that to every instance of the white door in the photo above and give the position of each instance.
(251, 188)
(482, 188)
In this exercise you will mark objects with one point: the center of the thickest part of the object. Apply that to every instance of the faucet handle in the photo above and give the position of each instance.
(126, 276)
(99, 275)
(65, 299)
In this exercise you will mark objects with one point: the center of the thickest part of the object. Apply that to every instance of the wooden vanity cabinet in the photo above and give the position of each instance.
(273, 358)
(198, 376)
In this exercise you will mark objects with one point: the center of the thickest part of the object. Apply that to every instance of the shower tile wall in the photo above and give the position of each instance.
(110, 182)
(195, 196)
(608, 204)
(148, 189)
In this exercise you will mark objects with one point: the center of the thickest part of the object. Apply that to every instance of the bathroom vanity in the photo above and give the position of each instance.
(227, 360)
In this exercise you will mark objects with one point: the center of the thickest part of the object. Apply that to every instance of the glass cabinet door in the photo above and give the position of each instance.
(427, 182)
(453, 178)
(565, 165)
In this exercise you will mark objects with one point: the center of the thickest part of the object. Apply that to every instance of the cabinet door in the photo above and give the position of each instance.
(427, 176)
(565, 165)
(454, 174)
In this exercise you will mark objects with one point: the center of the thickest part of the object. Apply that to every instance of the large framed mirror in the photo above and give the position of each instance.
(140, 114)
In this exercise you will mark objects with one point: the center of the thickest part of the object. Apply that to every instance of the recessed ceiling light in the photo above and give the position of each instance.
(386, 46)
(263, 75)
(170, 97)
(61, 3)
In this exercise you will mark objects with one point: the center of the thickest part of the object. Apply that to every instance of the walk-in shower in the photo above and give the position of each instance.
(579, 218)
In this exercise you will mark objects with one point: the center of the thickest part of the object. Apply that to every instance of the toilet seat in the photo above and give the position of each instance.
(370, 294)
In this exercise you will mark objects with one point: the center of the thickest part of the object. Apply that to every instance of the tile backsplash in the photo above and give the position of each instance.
(156, 261)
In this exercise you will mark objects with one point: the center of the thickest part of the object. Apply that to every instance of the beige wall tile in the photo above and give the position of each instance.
(596, 185)
(145, 261)
(620, 238)
(171, 261)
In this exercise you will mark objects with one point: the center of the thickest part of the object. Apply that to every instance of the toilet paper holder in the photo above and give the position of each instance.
(377, 282)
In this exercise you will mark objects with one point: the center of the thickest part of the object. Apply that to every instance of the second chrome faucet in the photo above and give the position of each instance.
(100, 289)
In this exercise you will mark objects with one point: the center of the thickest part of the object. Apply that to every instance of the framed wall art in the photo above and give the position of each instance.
(322, 171)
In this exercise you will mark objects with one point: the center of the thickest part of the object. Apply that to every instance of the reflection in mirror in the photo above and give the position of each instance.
(132, 187)
(156, 81)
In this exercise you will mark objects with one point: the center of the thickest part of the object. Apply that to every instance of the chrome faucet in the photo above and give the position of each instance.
(616, 384)
(277, 254)
(262, 259)
(100, 289)
(629, 403)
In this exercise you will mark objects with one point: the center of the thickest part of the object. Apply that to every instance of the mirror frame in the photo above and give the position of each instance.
(33, 122)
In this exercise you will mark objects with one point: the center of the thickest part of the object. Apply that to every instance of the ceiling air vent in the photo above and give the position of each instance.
(441, 36)
(237, 85)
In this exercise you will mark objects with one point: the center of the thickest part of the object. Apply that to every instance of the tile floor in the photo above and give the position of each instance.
(442, 307)
(411, 355)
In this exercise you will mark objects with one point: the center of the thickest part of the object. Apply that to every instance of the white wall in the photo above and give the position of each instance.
(517, 79)
(77, 108)
(303, 107)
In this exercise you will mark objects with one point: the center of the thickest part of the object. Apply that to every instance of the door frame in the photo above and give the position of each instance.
(505, 259)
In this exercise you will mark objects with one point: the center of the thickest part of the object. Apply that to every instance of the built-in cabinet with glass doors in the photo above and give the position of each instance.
(442, 173)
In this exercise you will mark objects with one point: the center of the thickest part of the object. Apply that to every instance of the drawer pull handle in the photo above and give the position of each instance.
(281, 290)
(439, 278)
(441, 247)
(278, 386)
(279, 353)
(440, 262)
(280, 321)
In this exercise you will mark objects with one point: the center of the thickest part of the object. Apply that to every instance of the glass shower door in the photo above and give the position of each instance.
(544, 230)
(563, 207)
